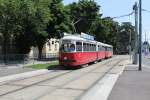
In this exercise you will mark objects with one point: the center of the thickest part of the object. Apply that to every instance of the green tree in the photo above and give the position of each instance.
(9, 22)
(84, 12)
(41, 19)
(25, 21)
(124, 37)
(60, 19)
(105, 30)
(25, 39)
(111, 32)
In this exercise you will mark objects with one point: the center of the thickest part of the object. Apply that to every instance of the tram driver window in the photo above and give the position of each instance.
(78, 46)
(72, 47)
(84, 46)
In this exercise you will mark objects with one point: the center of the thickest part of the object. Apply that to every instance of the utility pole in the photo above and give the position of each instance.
(140, 34)
(130, 43)
(135, 8)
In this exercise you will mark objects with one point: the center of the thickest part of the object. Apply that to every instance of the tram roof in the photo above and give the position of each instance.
(103, 44)
(77, 38)
(108, 45)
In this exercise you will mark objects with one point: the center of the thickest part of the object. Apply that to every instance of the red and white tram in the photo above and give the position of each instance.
(75, 51)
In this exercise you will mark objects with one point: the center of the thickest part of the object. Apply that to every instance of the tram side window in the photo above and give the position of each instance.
(84, 46)
(100, 48)
(91, 47)
(103, 48)
(108, 49)
(78, 46)
(88, 47)
(94, 47)
(111, 49)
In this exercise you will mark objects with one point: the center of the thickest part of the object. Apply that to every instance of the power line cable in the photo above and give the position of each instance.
(126, 15)
(145, 10)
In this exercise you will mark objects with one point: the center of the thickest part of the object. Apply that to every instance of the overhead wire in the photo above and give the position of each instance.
(145, 10)
(126, 15)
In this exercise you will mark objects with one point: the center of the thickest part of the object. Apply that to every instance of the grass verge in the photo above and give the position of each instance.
(44, 66)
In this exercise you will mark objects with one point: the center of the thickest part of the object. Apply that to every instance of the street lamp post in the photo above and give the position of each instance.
(140, 34)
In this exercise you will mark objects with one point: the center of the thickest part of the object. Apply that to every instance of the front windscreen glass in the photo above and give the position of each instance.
(67, 46)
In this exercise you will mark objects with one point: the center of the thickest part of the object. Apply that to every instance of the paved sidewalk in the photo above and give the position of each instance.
(132, 85)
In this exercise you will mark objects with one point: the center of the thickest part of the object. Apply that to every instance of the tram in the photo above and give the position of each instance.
(76, 50)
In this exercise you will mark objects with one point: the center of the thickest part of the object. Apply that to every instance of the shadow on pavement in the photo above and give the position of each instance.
(58, 67)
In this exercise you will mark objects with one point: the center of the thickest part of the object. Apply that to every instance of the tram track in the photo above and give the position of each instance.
(61, 87)
(57, 76)
(26, 86)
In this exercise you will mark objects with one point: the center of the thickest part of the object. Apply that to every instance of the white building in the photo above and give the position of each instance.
(51, 48)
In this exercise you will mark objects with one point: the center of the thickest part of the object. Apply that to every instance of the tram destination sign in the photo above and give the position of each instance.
(87, 36)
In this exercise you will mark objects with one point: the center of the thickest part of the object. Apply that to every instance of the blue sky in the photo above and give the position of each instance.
(114, 8)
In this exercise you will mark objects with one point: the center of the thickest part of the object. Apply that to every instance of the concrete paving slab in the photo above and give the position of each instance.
(7, 79)
(84, 82)
(7, 88)
(2, 98)
(49, 97)
(62, 79)
(101, 69)
(67, 92)
(117, 70)
(62, 94)
(102, 89)
(37, 79)
(30, 93)
(11, 71)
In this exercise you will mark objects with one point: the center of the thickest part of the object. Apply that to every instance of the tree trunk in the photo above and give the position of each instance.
(5, 47)
(5, 50)
(40, 52)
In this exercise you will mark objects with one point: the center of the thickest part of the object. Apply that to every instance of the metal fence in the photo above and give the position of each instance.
(26, 58)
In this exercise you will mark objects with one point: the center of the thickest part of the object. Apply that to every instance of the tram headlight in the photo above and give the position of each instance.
(65, 58)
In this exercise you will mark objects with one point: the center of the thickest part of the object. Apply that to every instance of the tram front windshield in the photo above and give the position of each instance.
(67, 46)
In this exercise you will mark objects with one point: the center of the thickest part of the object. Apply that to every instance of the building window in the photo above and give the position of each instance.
(52, 42)
(49, 45)
(55, 47)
